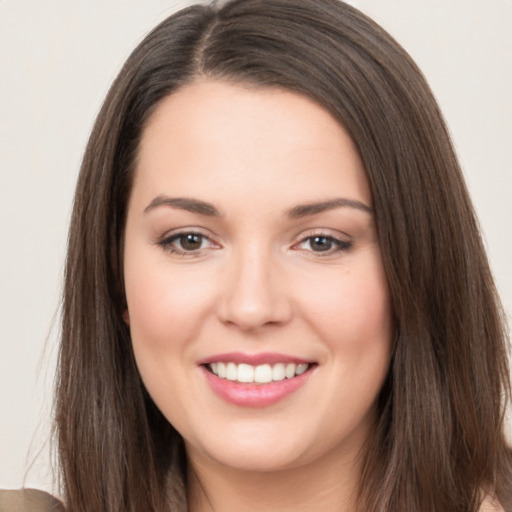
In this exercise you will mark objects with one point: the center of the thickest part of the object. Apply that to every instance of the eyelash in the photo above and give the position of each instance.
(167, 243)
(335, 245)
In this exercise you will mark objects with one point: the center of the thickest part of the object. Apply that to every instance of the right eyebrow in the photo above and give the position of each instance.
(305, 210)
(183, 203)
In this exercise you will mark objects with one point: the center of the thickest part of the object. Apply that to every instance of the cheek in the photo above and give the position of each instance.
(166, 306)
(166, 309)
(352, 307)
(354, 319)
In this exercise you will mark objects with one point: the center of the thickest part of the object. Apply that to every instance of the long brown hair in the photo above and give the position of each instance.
(439, 439)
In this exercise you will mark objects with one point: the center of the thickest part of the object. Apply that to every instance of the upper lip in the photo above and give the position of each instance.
(253, 359)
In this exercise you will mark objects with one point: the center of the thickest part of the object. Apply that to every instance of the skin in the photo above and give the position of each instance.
(257, 282)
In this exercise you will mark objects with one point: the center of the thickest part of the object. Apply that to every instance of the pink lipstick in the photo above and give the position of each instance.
(255, 380)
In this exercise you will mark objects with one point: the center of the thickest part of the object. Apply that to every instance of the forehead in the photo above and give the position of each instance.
(210, 134)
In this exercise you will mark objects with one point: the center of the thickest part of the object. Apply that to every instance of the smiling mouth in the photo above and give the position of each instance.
(260, 374)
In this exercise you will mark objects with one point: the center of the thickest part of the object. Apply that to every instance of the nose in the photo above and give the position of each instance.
(253, 292)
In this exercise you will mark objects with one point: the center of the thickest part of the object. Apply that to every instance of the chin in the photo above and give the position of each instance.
(250, 446)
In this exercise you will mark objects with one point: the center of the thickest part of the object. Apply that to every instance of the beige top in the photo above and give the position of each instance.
(29, 500)
(32, 500)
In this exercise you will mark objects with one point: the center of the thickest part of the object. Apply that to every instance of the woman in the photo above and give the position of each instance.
(276, 294)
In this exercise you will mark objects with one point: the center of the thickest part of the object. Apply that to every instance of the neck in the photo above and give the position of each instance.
(331, 486)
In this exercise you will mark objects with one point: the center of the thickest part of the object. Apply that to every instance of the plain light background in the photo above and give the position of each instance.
(57, 59)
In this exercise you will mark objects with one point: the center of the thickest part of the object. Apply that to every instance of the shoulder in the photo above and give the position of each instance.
(491, 505)
(29, 500)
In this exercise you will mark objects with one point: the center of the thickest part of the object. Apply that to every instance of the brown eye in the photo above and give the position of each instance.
(324, 244)
(190, 241)
(185, 243)
(321, 243)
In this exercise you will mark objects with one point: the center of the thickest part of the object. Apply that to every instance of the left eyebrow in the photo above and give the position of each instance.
(183, 203)
(304, 210)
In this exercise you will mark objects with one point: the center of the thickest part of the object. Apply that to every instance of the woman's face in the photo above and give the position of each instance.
(257, 302)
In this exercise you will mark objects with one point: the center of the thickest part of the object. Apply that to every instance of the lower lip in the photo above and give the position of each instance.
(254, 395)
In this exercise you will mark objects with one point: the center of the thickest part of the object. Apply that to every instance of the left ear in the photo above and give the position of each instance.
(126, 317)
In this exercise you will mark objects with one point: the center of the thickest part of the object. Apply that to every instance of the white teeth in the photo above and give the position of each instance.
(245, 373)
(301, 368)
(278, 372)
(221, 370)
(261, 374)
(231, 371)
(289, 371)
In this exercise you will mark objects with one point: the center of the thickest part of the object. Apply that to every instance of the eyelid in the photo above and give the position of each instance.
(343, 241)
(166, 240)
